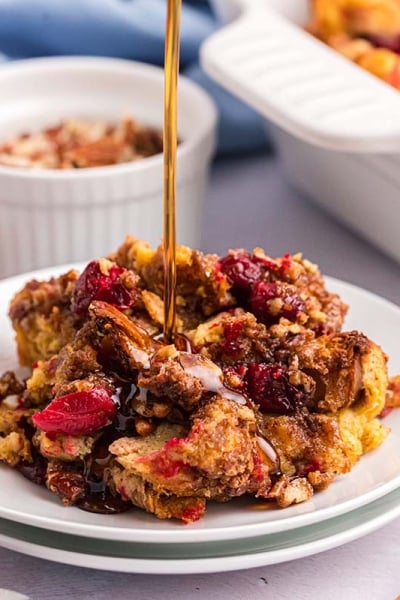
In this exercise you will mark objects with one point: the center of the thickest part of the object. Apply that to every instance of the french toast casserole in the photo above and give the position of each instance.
(260, 394)
(365, 31)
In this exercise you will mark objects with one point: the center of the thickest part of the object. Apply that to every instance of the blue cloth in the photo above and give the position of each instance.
(132, 29)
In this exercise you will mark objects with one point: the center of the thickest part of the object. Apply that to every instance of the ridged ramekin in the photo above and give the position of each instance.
(50, 217)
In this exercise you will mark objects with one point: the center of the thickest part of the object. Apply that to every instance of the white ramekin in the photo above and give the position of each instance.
(50, 217)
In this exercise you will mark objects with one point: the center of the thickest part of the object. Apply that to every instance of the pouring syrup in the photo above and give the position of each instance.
(170, 140)
(211, 379)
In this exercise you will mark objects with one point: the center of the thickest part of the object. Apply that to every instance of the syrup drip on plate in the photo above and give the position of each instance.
(98, 498)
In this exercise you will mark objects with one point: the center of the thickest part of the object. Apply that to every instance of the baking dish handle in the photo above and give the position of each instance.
(302, 85)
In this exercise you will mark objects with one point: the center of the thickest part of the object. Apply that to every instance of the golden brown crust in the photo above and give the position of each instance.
(341, 366)
(215, 459)
(288, 491)
(14, 444)
(307, 442)
(200, 288)
(141, 494)
(42, 319)
(393, 392)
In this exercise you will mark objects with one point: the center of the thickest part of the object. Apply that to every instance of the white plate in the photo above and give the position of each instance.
(200, 558)
(375, 475)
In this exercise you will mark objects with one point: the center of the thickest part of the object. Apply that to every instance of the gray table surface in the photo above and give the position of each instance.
(250, 204)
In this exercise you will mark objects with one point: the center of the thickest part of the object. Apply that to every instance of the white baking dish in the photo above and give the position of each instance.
(337, 127)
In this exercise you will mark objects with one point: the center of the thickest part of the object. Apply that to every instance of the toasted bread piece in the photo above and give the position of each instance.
(42, 318)
(200, 286)
(132, 487)
(306, 443)
(349, 370)
(217, 458)
(14, 447)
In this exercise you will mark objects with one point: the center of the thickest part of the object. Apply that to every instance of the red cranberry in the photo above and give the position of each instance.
(315, 464)
(78, 413)
(230, 344)
(241, 269)
(264, 291)
(391, 42)
(94, 284)
(286, 263)
(192, 514)
(269, 387)
(269, 264)
(386, 410)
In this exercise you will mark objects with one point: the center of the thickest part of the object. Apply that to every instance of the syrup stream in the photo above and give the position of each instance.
(98, 497)
(171, 71)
